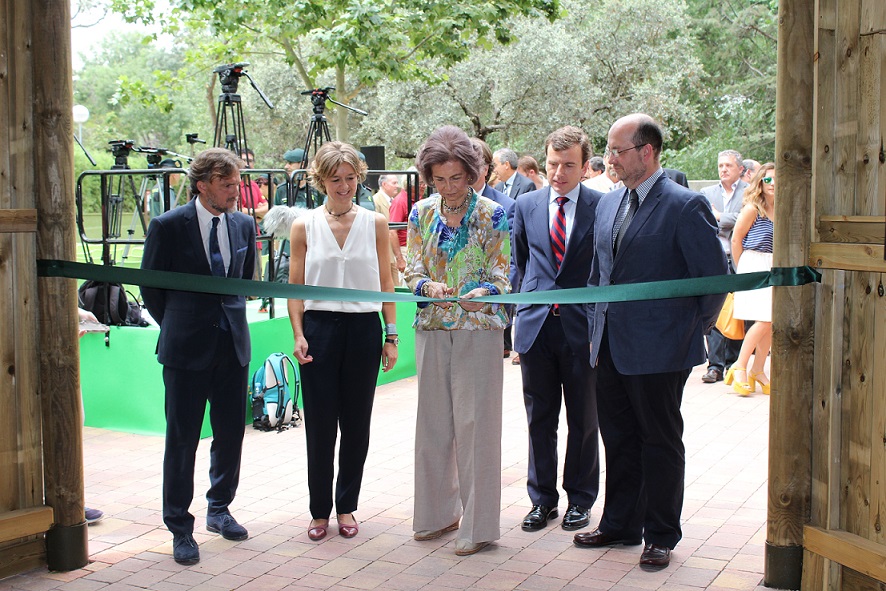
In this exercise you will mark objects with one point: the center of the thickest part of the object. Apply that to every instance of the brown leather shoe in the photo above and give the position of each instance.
(598, 539)
(655, 557)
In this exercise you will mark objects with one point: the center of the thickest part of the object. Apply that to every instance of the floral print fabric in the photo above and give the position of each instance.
(476, 254)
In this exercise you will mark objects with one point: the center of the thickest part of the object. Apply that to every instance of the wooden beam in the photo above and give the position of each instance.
(852, 228)
(25, 522)
(18, 220)
(793, 326)
(57, 344)
(27, 555)
(851, 257)
(855, 552)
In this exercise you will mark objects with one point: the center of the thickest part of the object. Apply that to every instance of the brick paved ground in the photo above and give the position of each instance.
(724, 515)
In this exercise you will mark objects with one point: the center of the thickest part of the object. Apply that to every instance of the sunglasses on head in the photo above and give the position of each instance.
(768, 180)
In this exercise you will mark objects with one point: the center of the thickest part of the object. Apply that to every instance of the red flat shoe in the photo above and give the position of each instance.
(348, 530)
(317, 532)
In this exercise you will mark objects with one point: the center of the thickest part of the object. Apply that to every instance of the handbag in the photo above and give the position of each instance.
(728, 325)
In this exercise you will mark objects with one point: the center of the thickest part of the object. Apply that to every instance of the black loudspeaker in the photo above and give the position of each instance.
(375, 160)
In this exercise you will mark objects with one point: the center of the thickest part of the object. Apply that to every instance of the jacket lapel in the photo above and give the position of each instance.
(581, 225)
(542, 225)
(643, 214)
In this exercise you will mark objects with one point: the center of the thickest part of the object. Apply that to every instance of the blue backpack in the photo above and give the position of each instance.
(273, 392)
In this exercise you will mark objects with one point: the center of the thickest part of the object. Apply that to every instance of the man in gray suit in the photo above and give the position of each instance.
(726, 200)
(513, 184)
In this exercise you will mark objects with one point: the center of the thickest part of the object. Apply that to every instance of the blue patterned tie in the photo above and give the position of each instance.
(216, 262)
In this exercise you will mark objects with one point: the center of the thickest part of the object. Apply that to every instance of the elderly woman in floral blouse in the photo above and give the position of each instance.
(457, 246)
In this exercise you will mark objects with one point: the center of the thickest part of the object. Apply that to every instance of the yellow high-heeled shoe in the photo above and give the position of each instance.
(742, 388)
(752, 378)
(729, 377)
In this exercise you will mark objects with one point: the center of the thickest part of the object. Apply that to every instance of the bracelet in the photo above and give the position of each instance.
(390, 329)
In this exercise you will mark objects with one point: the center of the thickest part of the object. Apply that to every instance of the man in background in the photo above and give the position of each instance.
(511, 183)
(725, 199)
(389, 187)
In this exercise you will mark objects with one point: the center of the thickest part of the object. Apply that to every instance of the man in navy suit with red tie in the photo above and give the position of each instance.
(204, 344)
(651, 230)
(553, 249)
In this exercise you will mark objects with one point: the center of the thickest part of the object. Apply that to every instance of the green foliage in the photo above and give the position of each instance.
(632, 56)
(737, 48)
(705, 68)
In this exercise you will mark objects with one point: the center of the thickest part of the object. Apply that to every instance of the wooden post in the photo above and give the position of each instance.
(790, 416)
(66, 542)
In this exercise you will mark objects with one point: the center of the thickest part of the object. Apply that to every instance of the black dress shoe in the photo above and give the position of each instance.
(184, 549)
(538, 518)
(576, 518)
(598, 539)
(713, 375)
(655, 557)
(227, 526)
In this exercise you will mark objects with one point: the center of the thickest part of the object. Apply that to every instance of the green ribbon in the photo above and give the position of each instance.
(629, 292)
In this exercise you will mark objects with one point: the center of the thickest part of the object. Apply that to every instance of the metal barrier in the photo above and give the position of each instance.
(118, 187)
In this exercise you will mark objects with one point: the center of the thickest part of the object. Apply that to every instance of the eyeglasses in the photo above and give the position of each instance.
(611, 153)
(768, 180)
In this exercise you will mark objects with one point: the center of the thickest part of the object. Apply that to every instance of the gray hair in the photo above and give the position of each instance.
(388, 177)
(731, 154)
(597, 164)
(507, 155)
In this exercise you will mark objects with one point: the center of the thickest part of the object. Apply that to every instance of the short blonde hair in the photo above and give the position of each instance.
(327, 160)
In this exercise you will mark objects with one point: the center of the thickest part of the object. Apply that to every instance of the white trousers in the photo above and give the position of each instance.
(458, 432)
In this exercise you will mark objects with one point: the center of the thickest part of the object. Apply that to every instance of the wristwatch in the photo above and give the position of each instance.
(394, 340)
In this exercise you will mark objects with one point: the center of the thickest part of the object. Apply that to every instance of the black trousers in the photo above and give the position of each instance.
(338, 389)
(223, 385)
(642, 430)
(551, 370)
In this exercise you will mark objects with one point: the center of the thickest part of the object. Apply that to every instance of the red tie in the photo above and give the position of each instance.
(558, 232)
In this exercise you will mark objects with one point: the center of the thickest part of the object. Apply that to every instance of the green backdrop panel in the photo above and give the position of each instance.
(122, 382)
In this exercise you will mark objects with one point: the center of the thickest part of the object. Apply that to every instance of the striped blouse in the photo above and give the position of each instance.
(759, 237)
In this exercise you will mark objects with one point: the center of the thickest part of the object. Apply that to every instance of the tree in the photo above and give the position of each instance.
(737, 42)
(598, 62)
(130, 92)
(361, 42)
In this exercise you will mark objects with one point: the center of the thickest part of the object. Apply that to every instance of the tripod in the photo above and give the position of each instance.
(318, 130)
(112, 218)
(230, 127)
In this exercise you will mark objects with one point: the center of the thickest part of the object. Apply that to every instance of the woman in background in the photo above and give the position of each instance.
(752, 252)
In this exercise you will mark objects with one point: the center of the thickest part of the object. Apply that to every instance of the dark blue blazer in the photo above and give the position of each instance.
(535, 263)
(189, 321)
(672, 236)
(522, 185)
(509, 206)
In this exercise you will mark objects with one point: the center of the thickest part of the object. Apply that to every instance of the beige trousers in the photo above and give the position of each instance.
(458, 432)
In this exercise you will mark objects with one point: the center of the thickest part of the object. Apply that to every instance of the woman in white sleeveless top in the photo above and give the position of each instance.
(339, 345)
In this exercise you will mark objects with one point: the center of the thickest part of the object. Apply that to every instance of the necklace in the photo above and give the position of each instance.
(338, 215)
(458, 208)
